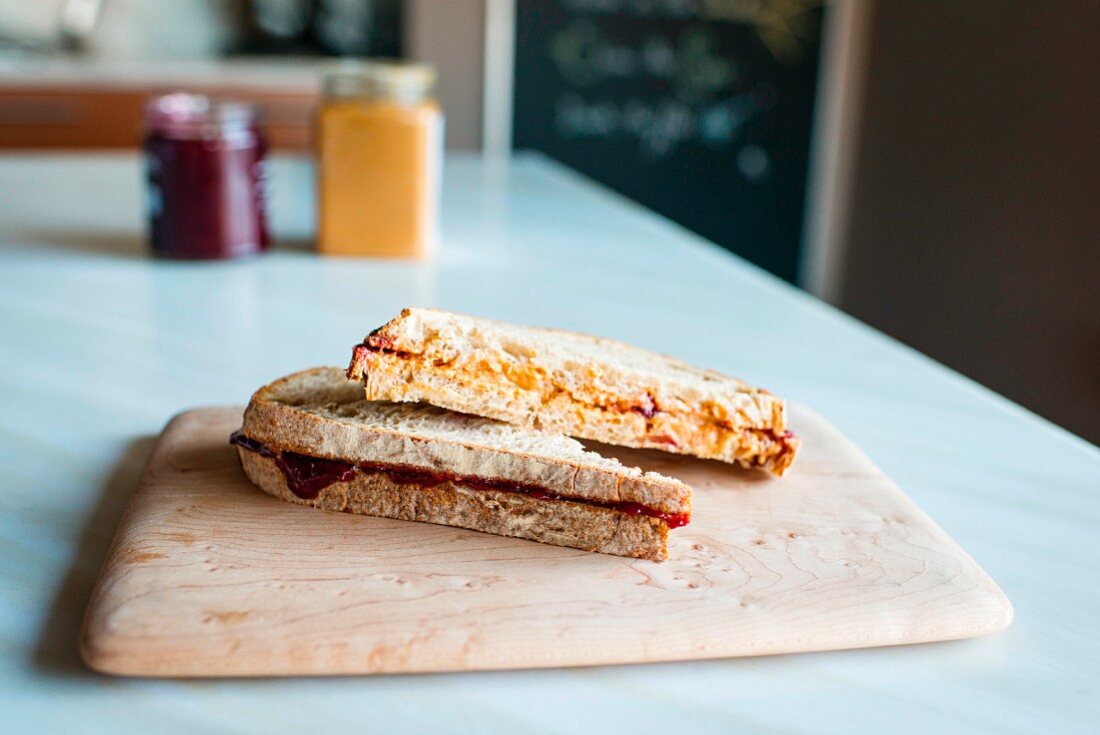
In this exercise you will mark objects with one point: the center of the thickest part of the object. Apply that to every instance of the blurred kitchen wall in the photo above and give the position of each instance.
(973, 229)
(121, 28)
(451, 36)
(96, 60)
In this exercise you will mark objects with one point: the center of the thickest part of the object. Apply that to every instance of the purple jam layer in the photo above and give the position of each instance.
(307, 476)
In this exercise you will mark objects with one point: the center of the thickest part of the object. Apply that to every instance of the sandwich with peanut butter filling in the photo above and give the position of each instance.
(574, 384)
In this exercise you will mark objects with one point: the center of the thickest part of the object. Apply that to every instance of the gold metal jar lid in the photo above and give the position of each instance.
(405, 81)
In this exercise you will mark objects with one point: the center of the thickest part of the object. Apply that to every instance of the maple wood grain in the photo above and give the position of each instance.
(208, 576)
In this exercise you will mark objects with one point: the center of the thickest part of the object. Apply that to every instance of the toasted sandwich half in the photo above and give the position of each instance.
(574, 384)
(312, 438)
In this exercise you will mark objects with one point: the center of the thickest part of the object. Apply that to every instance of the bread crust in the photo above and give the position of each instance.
(561, 523)
(272, 420)
(575, 384)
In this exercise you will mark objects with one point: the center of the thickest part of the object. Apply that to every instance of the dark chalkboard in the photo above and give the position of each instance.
(698, 109)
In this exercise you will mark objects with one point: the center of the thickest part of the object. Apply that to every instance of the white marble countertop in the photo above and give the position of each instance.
(100, 345)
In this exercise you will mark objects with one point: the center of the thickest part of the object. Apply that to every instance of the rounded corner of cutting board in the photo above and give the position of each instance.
(105, 649)
(1005, 613)
(96, 648)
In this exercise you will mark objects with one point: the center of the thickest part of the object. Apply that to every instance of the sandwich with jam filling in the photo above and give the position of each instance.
(312, 438)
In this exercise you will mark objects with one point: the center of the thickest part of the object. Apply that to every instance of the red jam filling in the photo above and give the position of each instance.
(237, 438)
(785, 440)
(776, 436)
(647, 408)
(307, 476)
(380, 343)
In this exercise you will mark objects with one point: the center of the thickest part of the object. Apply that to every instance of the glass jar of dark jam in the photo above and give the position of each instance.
(206, 178)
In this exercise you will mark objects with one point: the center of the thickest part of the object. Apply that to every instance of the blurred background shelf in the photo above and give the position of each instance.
(95, 104)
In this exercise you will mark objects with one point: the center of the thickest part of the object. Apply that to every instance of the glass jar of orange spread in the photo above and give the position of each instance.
(380, 151)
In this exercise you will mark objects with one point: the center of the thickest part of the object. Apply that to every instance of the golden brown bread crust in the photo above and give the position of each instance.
(573, 384)
(562, 523)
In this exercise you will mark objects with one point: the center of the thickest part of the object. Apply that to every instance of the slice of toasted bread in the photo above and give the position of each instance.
(575, 384)
(423, 463)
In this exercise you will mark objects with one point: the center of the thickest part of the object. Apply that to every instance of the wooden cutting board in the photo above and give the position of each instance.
(208, 576)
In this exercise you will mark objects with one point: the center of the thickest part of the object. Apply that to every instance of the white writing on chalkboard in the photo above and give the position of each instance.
(689, 62)
(703, 103)
(659, 126)
(699, 109)
(784, 26)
